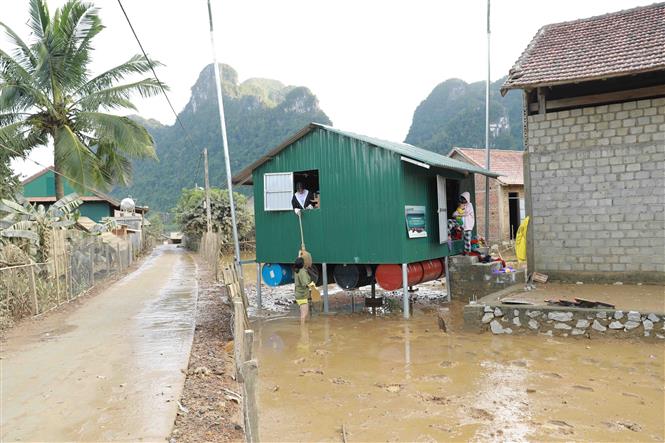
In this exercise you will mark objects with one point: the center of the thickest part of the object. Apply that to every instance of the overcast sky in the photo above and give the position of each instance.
(370, 62)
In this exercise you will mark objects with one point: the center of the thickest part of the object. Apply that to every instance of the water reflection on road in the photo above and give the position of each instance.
(386, 379)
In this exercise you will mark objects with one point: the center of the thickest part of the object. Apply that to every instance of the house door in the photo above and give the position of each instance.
(515, 213)
(442, 208)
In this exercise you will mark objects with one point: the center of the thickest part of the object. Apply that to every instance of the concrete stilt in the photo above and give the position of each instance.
(405, 287)
(324, 269)
(449, 294)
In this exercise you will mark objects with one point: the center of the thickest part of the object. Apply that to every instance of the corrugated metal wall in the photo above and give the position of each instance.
(363, 193)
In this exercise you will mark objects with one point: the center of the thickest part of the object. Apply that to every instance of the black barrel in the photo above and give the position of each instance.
(353, 276)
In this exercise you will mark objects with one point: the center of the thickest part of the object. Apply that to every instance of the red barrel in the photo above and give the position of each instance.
(389, 277)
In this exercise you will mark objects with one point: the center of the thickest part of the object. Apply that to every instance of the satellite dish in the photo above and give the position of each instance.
(127, 205)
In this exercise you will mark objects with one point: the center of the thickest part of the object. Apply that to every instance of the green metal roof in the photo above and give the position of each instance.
(403, 149)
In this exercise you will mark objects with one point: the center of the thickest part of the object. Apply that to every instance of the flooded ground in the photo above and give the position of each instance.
(109, 369)
(385, 379)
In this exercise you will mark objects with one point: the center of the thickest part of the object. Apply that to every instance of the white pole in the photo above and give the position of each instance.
(227, 161)
(207, 191)
(487, 133)
(405, 287)
(324, 269)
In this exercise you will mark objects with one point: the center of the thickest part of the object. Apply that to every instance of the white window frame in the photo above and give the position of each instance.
(287, 205)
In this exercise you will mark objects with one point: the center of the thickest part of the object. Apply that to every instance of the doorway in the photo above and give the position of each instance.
(514, 213)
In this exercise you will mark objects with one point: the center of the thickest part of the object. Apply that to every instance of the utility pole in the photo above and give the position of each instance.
(207, 185)
(220, 104)
(487, 133)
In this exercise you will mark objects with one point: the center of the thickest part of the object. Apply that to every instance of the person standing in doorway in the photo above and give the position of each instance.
(302, 280)
(465, 211)
(302, 198)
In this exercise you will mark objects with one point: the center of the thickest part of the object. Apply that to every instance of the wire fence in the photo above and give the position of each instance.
(77, 263)
(215, 252)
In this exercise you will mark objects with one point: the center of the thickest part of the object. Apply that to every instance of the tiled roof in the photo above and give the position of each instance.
(620, 43)
(504, 162)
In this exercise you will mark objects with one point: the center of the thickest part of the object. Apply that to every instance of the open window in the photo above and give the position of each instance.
(280, 190)
(310, 183)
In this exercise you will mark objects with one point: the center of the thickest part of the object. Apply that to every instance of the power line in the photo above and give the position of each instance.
(161, 86)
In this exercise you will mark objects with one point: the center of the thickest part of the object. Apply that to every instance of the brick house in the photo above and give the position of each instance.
(506, 192)
(594, 166)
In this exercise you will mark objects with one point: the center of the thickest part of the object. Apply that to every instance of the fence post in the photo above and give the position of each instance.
(238, 334)
(57, 278)
(250, 370)
(92, 264)
(33, 286)
(117, 247)
(108, 259)
(248, 345)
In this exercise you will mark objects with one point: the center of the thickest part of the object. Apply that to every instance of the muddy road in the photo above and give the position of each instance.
(110, 369)
(386, 379)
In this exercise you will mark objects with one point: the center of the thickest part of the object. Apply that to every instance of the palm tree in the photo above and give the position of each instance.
(47, 94)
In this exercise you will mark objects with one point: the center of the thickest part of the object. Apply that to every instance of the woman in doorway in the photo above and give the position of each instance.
(465, 212)
(302, 280)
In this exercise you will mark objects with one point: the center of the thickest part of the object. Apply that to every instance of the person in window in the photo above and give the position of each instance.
(302, 199)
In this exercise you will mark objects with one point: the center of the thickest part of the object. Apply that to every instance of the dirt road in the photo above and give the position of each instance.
(109, 370)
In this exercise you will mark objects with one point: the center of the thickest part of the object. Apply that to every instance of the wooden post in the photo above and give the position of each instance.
(57, 278)
(117, 247)
(33, 286)
(238, 335)
(250, 371)
(108, 259)
(91, 254)
(248, 344)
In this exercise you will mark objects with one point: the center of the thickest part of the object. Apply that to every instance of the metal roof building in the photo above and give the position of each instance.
(367, 186)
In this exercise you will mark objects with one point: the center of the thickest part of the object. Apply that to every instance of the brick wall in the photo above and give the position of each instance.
(597, 184)
(479, 208)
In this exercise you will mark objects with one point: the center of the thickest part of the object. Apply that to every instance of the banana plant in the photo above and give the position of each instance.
(34, 223)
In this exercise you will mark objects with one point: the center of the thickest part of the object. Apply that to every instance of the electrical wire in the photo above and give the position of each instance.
(161, 86)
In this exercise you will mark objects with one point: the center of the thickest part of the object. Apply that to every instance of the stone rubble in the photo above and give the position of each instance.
(634, 316)
(581, 323)
(533, 324)
(562, 326)
(496, 327)
(488, 317)
(616, 325)
(498, 312)
(598, 327)
(647, 324)
(618, 315)
(517, 322)
(560, 316)
(631, 325)
(653, 318)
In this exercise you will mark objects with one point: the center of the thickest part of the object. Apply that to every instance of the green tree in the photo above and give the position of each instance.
(190, 214)
(47, 94)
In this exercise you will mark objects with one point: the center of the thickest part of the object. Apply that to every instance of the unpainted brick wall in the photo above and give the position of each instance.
(598, 189)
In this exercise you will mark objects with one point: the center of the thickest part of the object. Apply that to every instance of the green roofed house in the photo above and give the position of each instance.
(40, 189)
(380, 202)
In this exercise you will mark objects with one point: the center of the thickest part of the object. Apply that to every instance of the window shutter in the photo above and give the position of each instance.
(277, 191)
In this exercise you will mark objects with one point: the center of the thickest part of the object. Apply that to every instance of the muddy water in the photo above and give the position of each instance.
(386, 379)
(109, 369)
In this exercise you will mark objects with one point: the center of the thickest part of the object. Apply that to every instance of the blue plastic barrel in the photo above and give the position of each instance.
(275, 274)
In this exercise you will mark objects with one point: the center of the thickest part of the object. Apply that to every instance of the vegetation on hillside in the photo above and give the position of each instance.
(453, 115)
(48, 94)
(260, 113)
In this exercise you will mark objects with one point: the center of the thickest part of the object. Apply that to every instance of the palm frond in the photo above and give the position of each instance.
(113, 167)
(118, 96)
(135, 65)
(39, 18)
(122, 133)
(12, 207)
(75, 159)
(23, 53)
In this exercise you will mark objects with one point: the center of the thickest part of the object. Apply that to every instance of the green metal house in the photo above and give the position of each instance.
(368, 188)
(40, 189)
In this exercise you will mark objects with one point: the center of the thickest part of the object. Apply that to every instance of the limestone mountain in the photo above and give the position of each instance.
(260, 113)
(454, 115)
